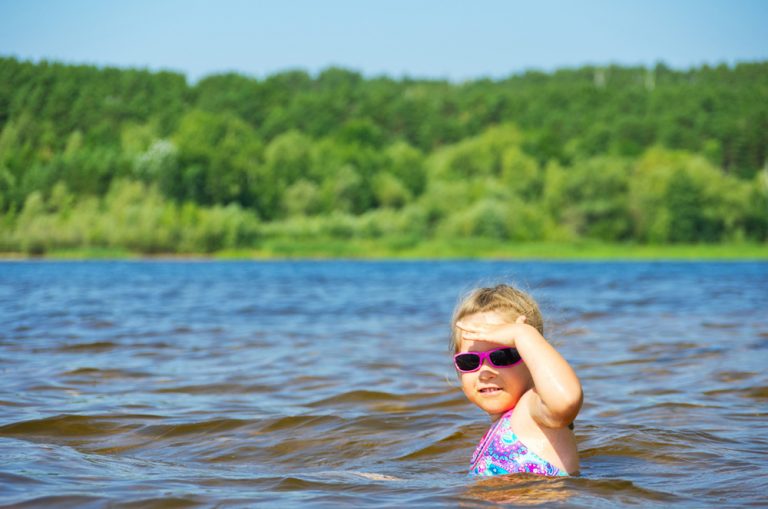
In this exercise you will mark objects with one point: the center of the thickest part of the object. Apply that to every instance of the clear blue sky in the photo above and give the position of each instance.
(419, 38)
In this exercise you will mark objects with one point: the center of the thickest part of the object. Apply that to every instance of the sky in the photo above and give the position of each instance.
(441, 39)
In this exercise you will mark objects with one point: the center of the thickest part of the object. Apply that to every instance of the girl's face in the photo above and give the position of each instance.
(493, 389)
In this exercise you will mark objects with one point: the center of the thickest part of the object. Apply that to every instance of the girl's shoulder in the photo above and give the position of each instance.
(549, 443)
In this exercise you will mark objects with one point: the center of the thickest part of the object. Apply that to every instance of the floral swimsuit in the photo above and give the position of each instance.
(501, 452)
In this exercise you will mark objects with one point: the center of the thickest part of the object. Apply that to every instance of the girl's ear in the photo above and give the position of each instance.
(520, 319)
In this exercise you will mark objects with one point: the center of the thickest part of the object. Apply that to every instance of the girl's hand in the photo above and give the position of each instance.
(501, 333)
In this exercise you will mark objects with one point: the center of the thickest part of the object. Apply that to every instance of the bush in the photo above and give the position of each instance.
(679, 197)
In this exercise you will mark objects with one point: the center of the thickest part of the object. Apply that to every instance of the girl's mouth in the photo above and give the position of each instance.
(489, 390)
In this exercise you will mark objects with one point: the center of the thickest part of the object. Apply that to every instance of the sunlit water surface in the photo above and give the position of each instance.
(199, 384)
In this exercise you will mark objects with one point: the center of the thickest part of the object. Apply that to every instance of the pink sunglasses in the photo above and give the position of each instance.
(467, 362)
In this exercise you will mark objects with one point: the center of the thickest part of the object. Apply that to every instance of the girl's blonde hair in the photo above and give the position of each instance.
(504, 299)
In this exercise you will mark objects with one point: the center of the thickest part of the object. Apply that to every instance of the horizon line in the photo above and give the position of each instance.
(313, 74)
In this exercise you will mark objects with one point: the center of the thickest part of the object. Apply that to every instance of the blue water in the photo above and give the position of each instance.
(199, 384)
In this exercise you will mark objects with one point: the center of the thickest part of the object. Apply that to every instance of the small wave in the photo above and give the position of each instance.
(720, 325)
(188, 428)
(63, 501)
(376, 477)
(663, 348)
(356, 475)
(68, 426)
(438, 447)
(550, 282)
(573, 331)
(622, 490)
(425, 400)
(759, 393)
(104, 373)
(646, 444)
(97, 346)
(593, 315)
(297, 422)
(357, 396)
(625, 362)
(654, 391)
(734, 376)
(11, 403)
(215, 389)
(18, 481)
(99, 324)
(672, 353)
(300, 484)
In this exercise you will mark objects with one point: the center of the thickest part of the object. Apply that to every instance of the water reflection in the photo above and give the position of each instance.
(518, 490)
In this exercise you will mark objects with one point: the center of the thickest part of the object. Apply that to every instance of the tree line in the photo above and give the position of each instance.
(146, 161)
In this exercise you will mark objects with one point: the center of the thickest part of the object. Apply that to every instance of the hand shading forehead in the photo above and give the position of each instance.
(474, 345)
(489, 317)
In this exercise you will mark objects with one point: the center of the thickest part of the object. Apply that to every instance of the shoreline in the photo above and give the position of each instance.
(479, 249)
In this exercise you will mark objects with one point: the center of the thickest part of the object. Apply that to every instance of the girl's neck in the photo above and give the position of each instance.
(496, 417)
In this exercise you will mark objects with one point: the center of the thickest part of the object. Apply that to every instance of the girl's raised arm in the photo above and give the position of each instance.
(557, 394)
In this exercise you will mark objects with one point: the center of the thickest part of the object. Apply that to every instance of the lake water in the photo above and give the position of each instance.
(234, 384)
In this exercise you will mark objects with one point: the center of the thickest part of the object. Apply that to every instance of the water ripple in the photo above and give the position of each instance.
(239, 384)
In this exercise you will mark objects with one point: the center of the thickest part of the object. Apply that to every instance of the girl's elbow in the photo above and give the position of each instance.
(567, 409)
(575, 406)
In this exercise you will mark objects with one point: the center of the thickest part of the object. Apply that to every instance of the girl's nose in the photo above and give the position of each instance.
(487, 368)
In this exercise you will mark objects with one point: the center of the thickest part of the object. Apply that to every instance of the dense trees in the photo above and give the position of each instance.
(142, 160)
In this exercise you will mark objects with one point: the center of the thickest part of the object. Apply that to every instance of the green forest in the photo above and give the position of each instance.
(146, 162)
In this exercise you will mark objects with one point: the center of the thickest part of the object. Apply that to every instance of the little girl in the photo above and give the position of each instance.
(509, 370)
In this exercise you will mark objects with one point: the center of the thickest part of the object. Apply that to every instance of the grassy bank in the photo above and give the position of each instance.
(491, 249)
(407, 248)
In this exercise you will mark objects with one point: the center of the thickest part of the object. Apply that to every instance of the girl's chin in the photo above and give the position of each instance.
(497, 409)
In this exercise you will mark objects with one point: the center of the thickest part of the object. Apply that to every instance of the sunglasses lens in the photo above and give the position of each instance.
(505, 357)
(467, 361)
